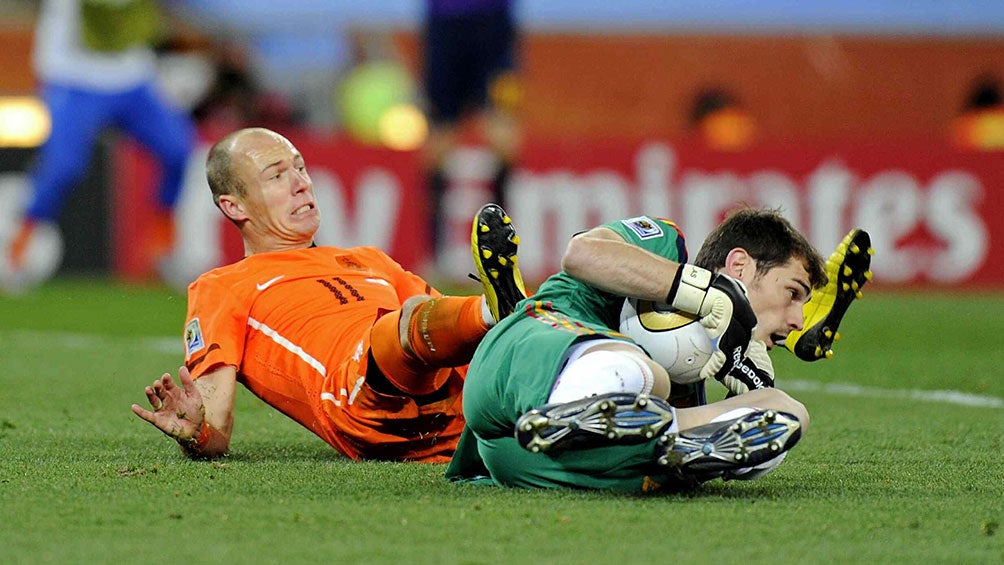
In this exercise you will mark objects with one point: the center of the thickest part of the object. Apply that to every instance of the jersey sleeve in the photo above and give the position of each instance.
(215, 327)
(657, 235)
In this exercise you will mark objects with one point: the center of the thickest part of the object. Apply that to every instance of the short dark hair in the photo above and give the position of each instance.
(768, 237)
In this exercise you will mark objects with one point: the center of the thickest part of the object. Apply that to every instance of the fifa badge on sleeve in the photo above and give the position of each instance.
(193, 337)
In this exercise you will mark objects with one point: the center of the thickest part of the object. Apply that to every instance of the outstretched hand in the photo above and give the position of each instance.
(177, 410)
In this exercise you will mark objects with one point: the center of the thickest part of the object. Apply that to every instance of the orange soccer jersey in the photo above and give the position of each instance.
(296, 325)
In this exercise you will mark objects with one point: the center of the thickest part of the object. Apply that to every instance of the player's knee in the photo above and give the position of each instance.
(780, 400)
(602, 372)
(801, 413)
(403, 372)
(408, 309)
(796, 409)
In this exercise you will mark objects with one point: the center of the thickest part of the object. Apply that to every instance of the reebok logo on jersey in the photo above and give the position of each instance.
(193, 337)
(268, 283)
(643, 226)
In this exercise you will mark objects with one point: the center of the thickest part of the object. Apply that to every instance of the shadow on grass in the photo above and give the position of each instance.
(733, 490)
(307, 452)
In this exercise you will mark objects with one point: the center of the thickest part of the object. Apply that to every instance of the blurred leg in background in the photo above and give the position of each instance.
(97, 68)
(469, 53)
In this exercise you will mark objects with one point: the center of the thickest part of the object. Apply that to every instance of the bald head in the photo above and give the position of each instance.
(223, 177)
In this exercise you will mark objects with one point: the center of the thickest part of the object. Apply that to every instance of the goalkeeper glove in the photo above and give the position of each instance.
(753, 372)
(724, 309)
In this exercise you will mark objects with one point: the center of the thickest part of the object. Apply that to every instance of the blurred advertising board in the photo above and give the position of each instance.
(935, 213)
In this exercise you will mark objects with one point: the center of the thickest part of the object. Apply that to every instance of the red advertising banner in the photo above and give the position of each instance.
(934, 212)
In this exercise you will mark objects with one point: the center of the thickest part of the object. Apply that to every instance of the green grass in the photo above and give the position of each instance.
(879, 478)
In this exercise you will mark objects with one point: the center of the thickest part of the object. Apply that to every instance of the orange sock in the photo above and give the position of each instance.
(19, 245)
(443, 333)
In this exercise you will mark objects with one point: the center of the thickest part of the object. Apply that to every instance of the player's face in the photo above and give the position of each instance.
(777, 297)
(280, 201)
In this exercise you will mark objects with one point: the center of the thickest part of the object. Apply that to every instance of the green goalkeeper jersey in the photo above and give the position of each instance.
(588, 304)
(515, 367)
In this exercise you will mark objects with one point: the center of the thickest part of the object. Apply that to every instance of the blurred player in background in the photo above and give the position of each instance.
(359, 351)
(720, 122)
(97, 69)
(557, 397)
(469, 51)
(980, 126)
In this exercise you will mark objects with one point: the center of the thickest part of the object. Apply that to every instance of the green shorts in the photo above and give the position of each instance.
(512, 372)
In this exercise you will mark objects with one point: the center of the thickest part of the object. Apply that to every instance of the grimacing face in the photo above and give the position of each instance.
(777, 297)
(280, 205)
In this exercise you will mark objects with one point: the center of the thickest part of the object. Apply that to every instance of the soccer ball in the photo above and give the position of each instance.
(676, 340)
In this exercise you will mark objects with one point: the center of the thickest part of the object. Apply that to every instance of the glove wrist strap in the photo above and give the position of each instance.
(675, 286)
(689, 288)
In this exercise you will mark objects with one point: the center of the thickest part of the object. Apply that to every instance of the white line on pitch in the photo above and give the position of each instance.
(71, 340)
(943, 396)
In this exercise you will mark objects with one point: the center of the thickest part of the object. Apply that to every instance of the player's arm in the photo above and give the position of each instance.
(602, 258)
(196, 414)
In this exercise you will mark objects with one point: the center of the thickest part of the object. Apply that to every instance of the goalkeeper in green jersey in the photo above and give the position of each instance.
(556, 396)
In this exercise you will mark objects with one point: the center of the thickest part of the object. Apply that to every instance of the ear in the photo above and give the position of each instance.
(739, 265)
(232, 208)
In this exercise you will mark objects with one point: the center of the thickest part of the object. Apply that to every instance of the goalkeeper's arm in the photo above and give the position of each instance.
(601, 258)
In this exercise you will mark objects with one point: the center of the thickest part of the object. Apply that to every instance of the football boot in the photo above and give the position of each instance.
(606, 419)
(729, 449)
(494, 243)
(847, 270)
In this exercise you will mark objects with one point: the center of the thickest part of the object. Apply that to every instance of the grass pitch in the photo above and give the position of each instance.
(904, 462)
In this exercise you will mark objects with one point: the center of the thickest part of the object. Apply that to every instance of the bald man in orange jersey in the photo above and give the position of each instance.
(361, 352)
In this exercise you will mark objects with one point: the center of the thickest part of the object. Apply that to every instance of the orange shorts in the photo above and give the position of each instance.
(370, 424)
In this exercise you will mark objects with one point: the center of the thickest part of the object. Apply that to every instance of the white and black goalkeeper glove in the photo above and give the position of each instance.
(753, 372)
(724, 309)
